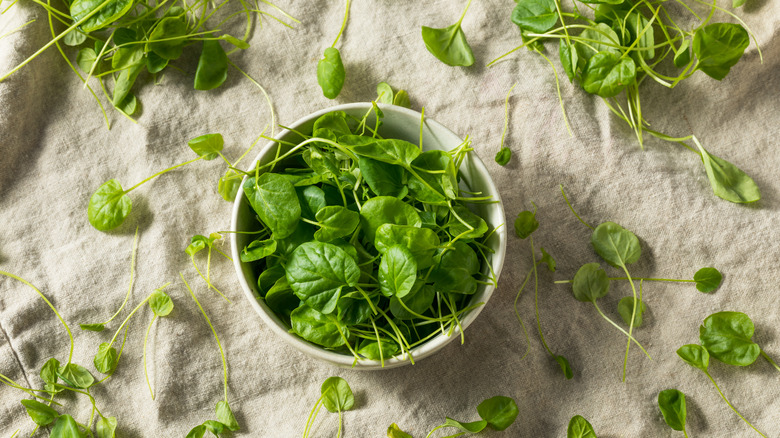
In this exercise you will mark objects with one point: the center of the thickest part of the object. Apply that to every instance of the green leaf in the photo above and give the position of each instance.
(590, 283)
(98, 327)
(727, 337)
(76, 376)
(526, 224)
(128, 105)
(106, 358)
(225, 416)
(335, 221)
(719, 46)
(74, 38)
(707, 279)
(85, 58)
(337, 395)
(123, 36)
(395, 432)
(168, 38)
(318, 328)
(40, 413)
(124, 83)
(421, 242)
(49, 371)
(318, 271)
(579, 427)
(503, 156)
(727, 180)
(125, 57)
(569, 59)
(330, 73)
(258, 250)
(500, 412)
(386, 210)
(695, 356)
(607, 74)
(448, 45)
(160, 303)
(384, 93)
(478, 226)
(215, 427)
(207, 146)
(384, 179)
(66, 427)
(155, 63)
(537, 16)
(397, 272)
(454, 273)
(672, 405)
(565, 367)
(106, 15)
(615, 244)
(402, 99)
(212, 66)
(682, 56)
(274, 200)
(108, 206)
(106, 427)
(548, 260)
(241, 44)
(418, 301)
(737, 3)
(197, 432)
(391, 150)
(636, 23)
(228, 185)
(473, 427)
(436, 179)
(601, 38)
(370, 349)
(280, 297)
(626, 309)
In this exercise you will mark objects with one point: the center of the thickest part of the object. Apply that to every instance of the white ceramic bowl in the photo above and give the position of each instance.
(402, 123)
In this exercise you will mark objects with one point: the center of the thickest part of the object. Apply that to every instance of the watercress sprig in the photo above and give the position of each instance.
(197, 244)
(330, 69)
(449, 44)
(671, 402)
(336, 396)
(504, 154)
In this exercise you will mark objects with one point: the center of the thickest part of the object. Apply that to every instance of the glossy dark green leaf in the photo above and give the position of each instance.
(128, 105)
(335, 221)
(212, 66)
(274, 200)
(49, 371)
(66, 427)
(707, 279)
(41, 414)
(579, 427)
(448, 45)
(637, 24)
(384, 179)
(727, 180)
(391, 151)
(318, 271)
(435, 179)
(124, 83)
(386, 210)
(503, 156)
(672, 405)
(107, 14)
(331, 73)
(600, 38)
(421, 242)
(317, 328)
(626, 309)
(418, 301)
(397, 272)
(718, 47)
(477, 227)
(155, 63)
(258, 250)
(607, 74)
(590, 283)
(537, 16)
(168, 38)
(682, 56)
(616, 245)
(727, 336)
(526, 224)
(695, 356)
(565, 367)
(500, 412)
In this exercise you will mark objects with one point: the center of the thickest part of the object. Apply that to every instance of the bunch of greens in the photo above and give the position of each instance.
(449, 44)
(525, 225)
(336, 396)
(497, 412)
(620, 247)
(617, 50)
(726, 336)
(364, 244)
(119, 40)
(330, 69)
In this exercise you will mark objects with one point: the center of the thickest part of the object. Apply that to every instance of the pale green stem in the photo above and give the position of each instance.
(161, 172)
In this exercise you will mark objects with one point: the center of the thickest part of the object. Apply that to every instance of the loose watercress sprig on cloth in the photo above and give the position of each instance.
(525, 224)
(365, 245)
(336, 396)
(121, 39)
(671, 402)
(199, 242)
(698, 357)
(330, 69)
(449, 44)
(727, 336)
(616, 50)
(497, 412)
(504, 154)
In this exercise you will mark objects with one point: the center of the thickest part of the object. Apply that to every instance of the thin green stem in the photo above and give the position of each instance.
(132, 278)
(163, 171)
(536, 297)
(770, 360)
(506, 114)
(343, 25)
(730, 405)
(219, 344)
(463, 15)
(572, 209)
(517, 313)
(146, 371)
(621, 329)
(633, 317)
(51, 306)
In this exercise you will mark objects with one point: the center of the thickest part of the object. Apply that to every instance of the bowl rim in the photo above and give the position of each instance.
(420, 352)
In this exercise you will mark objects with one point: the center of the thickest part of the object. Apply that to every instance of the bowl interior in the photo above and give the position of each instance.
(398, 123)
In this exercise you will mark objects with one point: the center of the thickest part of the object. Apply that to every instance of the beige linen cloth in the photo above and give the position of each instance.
(55, 151)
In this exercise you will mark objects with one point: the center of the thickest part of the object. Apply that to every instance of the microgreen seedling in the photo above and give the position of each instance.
(161, 305)
(330, 69)
(197, 244)
(336, 396)
(698, 357)
(504, 154)
(671, 402)
(497, 412)
(449, 44)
